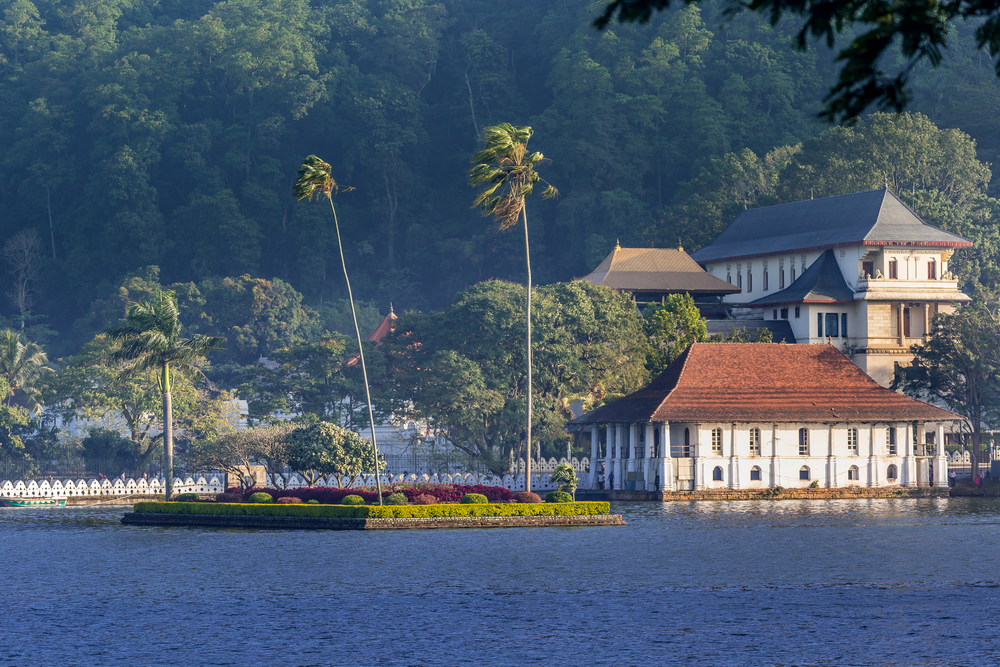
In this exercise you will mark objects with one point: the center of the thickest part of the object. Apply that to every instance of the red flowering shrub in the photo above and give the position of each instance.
(424, 499)
(288, 500)
(526, 497)
(444, 493)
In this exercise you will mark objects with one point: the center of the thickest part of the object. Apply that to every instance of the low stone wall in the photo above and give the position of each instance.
(768, 494)
(91, 501)
(224, 521)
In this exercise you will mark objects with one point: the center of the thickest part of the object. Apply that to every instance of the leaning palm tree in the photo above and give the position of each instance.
(150, 340)
(23, 365)
(506, 170)
(316, 180)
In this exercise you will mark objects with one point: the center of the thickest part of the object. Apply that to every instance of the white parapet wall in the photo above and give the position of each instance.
(106, 487)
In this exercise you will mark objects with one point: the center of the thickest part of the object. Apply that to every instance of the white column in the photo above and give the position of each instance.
(617, 463)
(873, 459)
(594, 447)
(734, 460)
(774, 456)
(699, 459)
(831, 462)
(940, 458)
(647, 468)
(633, 443)
(909, 462)
(666, 464)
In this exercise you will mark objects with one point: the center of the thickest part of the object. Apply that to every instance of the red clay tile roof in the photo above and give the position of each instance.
(383, 329)
(764, 382)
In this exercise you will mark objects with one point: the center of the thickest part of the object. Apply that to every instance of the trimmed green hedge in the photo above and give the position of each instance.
(376, 512)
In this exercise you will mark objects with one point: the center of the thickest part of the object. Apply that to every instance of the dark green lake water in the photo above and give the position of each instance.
(879, 582)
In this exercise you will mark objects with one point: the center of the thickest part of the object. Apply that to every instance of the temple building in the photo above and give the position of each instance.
(756, 415)
(650, 274)
(861, 271)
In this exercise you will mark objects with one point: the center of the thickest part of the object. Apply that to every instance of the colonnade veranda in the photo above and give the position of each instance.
(655, 459)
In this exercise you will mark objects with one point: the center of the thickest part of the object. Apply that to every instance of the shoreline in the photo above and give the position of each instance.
(846, 493)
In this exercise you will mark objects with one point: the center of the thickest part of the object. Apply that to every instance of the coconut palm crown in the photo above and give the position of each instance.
(22, 364)
(507, 170)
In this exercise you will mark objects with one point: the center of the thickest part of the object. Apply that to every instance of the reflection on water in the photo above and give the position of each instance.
(855, 582)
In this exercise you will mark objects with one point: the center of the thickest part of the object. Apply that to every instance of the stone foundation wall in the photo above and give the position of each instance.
(285, 522)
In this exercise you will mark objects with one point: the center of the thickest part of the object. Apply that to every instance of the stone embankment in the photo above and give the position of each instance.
(329, 523)
(768, 494)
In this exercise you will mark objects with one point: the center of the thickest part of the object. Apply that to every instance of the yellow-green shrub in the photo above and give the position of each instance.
(376, 512)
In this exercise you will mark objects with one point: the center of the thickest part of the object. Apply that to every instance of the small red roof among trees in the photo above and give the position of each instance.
(764, 382)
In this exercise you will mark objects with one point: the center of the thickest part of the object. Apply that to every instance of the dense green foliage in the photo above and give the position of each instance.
(558, 497)
(396, 499)
(187, 498)
(260, 497)
(378, 512)
(672, 328)
(353, 500)
(474, 499)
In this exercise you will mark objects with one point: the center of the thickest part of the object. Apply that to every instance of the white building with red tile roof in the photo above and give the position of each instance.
(754, 415)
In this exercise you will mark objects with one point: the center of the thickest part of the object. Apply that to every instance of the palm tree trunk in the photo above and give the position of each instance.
(168, 434)
(527, 322)
(361, 352)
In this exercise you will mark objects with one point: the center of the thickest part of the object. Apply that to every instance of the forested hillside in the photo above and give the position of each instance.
(167, 133)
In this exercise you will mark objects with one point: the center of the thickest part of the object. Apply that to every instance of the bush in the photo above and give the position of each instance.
(558, 497)
(352, 500)
(229, 497)
(396, 499)
(288, 500)
(526, 497)
(260, 497)
(814, 485)
(376, 512)
(445, 493)
(188, 498)
(312, 502)
(474, 499)
(424, 499)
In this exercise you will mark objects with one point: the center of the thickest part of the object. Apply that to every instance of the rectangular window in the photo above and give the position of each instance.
(932, 270)
(890, 438)
(775, 316)
(804, 473)
(749, 281)
(803, 442)
(765, 281)
(852, 442)
(755, 474)
(906, 322)
(781, 279)
(819, 324)
(832, 330)
(796, 311)
(784, 313)
(893, 270)
(717, 441)
(868, 268)
(843, 325)
(793, 273)
(729, 278)
(739, 280)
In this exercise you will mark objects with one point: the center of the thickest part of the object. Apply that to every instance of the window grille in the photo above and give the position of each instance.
(803, 442)
(852, 441)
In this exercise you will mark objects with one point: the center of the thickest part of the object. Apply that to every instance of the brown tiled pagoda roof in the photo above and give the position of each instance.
(764, 382)
(661, 270)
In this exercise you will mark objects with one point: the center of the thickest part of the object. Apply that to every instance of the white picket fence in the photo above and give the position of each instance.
(105, 487)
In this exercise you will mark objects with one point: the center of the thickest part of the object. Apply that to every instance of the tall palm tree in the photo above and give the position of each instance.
(506, 170)
(22, 364)
(316, 180)
(151, 340)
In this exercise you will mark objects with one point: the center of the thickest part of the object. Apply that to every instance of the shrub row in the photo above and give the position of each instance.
(443, 493)
(376, 512)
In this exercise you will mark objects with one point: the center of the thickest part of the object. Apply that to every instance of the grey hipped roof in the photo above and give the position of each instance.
(877, 218)
(821, 283)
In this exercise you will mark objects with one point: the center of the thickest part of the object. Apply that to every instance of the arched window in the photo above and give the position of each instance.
(853, 473)
(755, 474)
(803, 442)
(687, 443)
(891, 472)
(755, 442)
(804, 472)
(893, 269)
(717, 441)
(852, 441)
(656, 442)
(717, 474)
